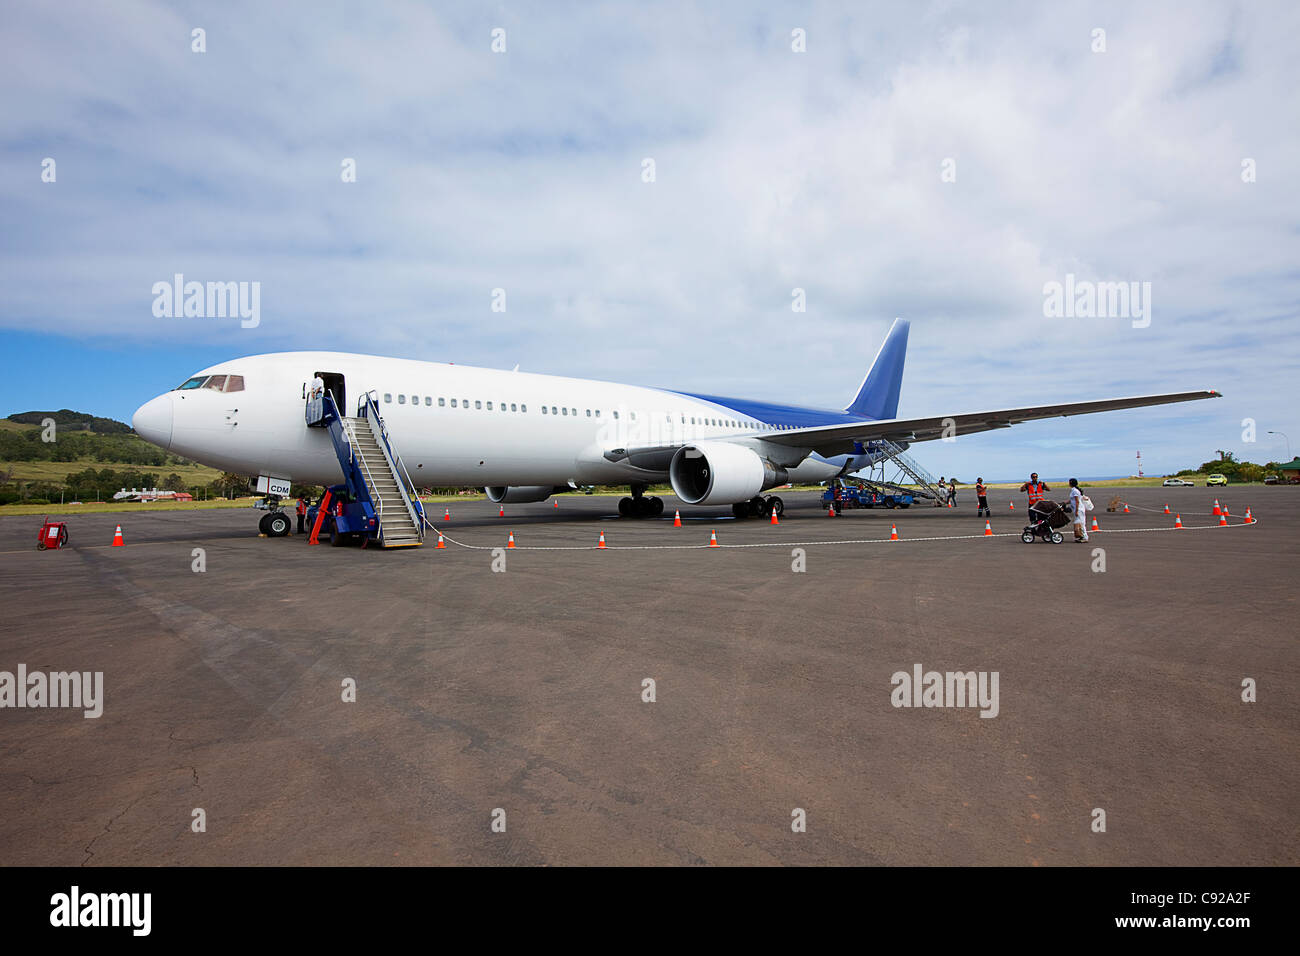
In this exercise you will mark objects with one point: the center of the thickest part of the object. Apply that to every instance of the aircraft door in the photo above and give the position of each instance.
(334, 385)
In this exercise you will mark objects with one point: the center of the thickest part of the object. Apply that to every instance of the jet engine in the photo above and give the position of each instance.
(720, 473)
(518, 494)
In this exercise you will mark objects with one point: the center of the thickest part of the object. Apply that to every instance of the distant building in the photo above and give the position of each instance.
(152, 494)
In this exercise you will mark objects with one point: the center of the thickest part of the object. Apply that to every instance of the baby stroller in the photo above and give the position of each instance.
(1045, 517)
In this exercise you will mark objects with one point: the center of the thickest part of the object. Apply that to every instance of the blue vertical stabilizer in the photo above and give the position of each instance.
(878, 396)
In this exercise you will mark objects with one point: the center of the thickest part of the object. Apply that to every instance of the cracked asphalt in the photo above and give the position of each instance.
(478, 690)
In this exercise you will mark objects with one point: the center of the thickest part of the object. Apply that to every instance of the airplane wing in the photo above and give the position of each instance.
(829, 440)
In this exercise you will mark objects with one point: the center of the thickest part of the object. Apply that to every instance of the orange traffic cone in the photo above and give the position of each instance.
(713, 540)
(950, 504)
(1126, 511)
(893, 532)
(557, 504)
(677, 519)
(988, 530)
(1011, 505)
(1167, 511)
(774, 521)
(1223, 521)
(1095, 526)
(1249, 518)
(1226, 511)
(117, 538)
(510, 543)
(446, 515)
(502, 512)
(1216, 510)
(601, 543)
(1178, 521)
(441, 545)
(830, 510)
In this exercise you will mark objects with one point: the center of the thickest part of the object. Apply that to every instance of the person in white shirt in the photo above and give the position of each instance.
(317, 397)
(1078, 504)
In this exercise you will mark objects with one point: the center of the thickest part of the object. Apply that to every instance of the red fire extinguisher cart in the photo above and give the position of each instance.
(54, 534)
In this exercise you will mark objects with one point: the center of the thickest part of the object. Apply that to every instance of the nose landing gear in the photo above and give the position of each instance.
(276, 523)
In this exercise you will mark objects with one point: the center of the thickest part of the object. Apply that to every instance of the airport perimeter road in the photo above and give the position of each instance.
(480, 691)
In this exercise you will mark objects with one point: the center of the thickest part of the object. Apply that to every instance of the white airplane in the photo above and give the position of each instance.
(524, 437)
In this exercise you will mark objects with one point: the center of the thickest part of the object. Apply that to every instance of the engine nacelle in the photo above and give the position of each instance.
(720, 473)
(518, 494)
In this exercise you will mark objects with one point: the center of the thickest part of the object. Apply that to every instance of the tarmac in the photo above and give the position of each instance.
(517, 695)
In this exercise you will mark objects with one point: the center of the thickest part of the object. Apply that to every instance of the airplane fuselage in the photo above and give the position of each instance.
(460, 425)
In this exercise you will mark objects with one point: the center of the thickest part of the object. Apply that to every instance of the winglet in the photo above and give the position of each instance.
(878, 396)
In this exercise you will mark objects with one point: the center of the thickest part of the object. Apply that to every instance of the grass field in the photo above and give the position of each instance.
(56, 471)
(105, 507)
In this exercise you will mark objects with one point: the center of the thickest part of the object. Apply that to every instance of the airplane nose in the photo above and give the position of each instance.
(153, 421)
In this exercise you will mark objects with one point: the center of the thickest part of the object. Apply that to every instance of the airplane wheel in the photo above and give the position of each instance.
(775, 504)
(278, 525)
(625, 507)
(758, 508)
(656, 507)
(740, 509)
(262, 525)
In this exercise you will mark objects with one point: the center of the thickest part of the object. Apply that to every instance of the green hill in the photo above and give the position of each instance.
(90, 457)
(66, 418)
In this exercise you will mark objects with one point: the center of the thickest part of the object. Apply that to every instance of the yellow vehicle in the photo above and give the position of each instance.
(1216, 479)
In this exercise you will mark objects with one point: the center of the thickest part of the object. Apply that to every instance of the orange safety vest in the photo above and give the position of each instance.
(981, 491)
(1035, 492)
(302, 507)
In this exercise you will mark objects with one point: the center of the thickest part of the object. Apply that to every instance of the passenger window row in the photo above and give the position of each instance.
(546, 410)
(456, 403)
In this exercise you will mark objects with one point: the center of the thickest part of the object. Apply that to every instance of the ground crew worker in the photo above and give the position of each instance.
(837, 499)
(1035, 489)
(982, 493)
(952, 492)
(302, 513)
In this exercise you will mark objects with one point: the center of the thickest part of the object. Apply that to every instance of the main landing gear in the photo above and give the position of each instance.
(639, 506)
(759, 507)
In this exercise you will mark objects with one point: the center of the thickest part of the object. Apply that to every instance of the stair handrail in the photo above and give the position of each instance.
(398, 467)
(376, 501)
(924, 480)
(334, 423)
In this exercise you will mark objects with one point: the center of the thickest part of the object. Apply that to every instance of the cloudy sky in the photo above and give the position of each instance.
(774, 170)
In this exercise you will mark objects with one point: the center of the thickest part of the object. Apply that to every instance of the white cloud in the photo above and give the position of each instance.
(775, 170)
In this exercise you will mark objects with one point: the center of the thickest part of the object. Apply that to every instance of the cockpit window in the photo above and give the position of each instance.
(218, 383)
